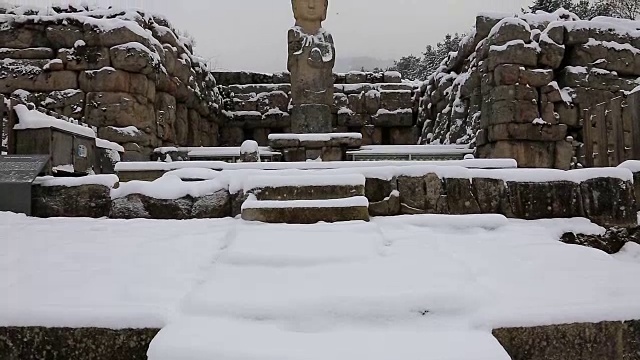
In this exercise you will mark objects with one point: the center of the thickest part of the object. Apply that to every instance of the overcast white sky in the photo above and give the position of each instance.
(251, 34)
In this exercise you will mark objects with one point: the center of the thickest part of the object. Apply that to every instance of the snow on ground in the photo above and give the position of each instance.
(105, 273)
(417, 286)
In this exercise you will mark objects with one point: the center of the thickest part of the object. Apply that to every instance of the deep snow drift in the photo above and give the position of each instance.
(416, 286)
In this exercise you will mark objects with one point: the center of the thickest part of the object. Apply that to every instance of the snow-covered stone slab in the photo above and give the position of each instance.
(319, 186)
(106, 144)
(359, 201)
(632, 165)
(280, 141)
(168, 187)
(33, 119)
(258, 182)
(204, 152)
(204, 339)
(549, 175)
(105, 180)
(219, 165)
(412, 150)
(285, 248)
(306, 211)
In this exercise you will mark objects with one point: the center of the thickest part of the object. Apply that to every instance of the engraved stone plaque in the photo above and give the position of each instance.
(17, 172)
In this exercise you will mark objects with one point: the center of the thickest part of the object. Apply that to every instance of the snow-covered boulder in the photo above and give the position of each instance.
(88, 196)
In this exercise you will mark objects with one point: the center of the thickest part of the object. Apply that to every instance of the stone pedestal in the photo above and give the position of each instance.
(311, 119)
(317, 147)
(249, 151)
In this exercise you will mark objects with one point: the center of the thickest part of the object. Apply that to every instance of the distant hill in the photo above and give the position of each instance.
(345, 64)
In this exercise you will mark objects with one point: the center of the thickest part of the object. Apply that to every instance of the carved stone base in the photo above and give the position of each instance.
(325, 147)
(310, 119)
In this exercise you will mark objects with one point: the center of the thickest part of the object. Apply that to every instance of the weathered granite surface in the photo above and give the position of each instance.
(38, 343)
(138, 81)
(585, 341)
(521, 87)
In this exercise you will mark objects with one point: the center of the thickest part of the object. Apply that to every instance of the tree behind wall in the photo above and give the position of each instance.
(585, 9)
(419, 68)
(626, 9)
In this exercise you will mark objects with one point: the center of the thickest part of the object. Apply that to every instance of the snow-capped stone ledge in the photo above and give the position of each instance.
(259, 182)
(253, 203)
(306, 211)
(283, 141)
(109, 145)
(148, 166)
(605, 196)
(108, 181)
(34, 119)
(168, 187)
(634, 167)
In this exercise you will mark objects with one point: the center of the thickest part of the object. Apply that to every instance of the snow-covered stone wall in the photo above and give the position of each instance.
(520, 87)
(605, 196)
(128, 73)
(380, 106)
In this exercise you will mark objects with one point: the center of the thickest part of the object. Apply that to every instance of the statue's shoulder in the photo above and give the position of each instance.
(295, 33)
(326, 36)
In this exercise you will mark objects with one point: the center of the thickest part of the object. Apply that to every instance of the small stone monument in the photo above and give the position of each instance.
(311, 60)
(249, 151)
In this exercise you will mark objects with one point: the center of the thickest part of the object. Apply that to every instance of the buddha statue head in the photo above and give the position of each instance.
(310, 12)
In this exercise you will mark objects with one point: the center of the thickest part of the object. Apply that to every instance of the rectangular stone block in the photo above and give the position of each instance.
(394, 100)
(527, 132)
(520, 54)
(111, 80)
(399, 118)
(558, 199)
(404, 135)
(513, 92)
(356, 103)
(31, 53)
(120, 110)
(85, 58)
(528, 154)
(371, 135)
(503, 112)
(40, 82)
(23, 37)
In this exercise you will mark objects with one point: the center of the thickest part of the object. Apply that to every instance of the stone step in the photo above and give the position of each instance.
(315, 141)
(305, 187)
(306, 211)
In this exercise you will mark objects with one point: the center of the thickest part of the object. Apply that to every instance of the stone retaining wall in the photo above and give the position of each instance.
(31, 343)
(583, 341)
(521, 88)
(606, 340)
(126, 72)
(607, 201)
(378, 105)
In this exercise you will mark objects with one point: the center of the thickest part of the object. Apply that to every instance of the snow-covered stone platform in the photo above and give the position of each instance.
(306, 199)
(422, 287)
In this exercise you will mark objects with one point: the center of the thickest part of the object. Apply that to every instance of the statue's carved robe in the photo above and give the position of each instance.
(311, 61)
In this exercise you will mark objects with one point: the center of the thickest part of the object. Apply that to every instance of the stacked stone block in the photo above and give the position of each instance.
(127, 73)
(521, 87)
(378, 105)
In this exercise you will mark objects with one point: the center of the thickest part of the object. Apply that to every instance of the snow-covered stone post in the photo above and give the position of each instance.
(310, 62)
(250, 151)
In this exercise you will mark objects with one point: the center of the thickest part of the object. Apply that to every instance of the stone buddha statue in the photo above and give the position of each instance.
(310, 62)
